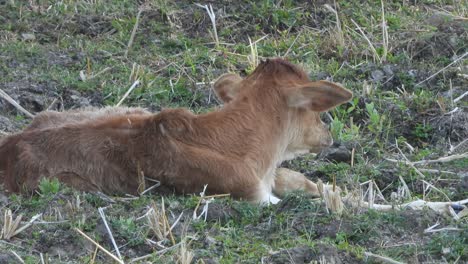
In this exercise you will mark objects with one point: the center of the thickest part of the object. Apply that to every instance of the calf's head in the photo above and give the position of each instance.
(302, 99)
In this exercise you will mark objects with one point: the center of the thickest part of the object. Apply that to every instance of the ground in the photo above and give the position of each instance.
(408, 76)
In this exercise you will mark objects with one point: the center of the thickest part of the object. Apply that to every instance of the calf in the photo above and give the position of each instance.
(272, 115)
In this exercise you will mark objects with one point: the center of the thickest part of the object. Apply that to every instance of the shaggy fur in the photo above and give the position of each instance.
(272, 115)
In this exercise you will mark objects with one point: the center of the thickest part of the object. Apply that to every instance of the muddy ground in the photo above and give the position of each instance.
(409, 103)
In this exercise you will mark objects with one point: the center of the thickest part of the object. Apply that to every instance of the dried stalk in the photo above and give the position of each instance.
(103, 216)
(15, 104)
(443, 69)
(212, 15)
(382, 258)
(99, 246)
(132, 36)
(134, 85)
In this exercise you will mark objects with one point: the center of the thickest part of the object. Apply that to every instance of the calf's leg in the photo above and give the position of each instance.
(287, 180)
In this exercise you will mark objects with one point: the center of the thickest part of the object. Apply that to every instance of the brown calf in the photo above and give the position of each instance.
(272, 115)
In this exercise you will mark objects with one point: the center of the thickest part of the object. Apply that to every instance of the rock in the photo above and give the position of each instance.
(377, 75)
(28, 36)
(322, 76)
(337, 153)
(388, 69)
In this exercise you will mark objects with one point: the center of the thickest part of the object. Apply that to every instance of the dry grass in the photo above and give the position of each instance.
(338, 32)
(184, 254)
(212, 15)
(158, 222)
(331, 197)
(11, 226)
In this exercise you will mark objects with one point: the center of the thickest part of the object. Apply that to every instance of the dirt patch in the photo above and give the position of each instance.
(59, 243)
(445, 41)
(37, 97)
(453, 127)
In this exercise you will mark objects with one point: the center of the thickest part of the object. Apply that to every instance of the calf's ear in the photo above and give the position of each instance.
(318, 96)
(227, 87)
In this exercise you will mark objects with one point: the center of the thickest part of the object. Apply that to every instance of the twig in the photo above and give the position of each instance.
(460, 97)
(443, 159)
(367, 39)
(292, 44)
(151, 188)
(17, 256)
(379, 192)
(94, 255)
(422, 162)
(438, 171)
(103, 216)
(453, 149)
(15, 104)
(382, 258)
(135, 84)
(34, 218)
(437, 189)
(11, 244)
(384, 35)
(411, 165)
(155, 253)
(432, 230)
(452, 111)
(132, 36)
(443, 69)
(99, 246)
(212, 16)
(52, 104)
(419, 204)
(177, 221)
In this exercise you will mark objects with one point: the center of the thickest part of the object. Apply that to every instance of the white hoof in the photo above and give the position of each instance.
(270, 199)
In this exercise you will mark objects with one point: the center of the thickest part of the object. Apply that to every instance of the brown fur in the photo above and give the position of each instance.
(273, 116)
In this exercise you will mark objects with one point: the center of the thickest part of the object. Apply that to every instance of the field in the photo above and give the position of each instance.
(405, 61)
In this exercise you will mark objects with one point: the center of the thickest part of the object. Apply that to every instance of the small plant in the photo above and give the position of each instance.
(375, 119)
(422, 131)
(128, 229)
(343, 133)
(49, 186)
